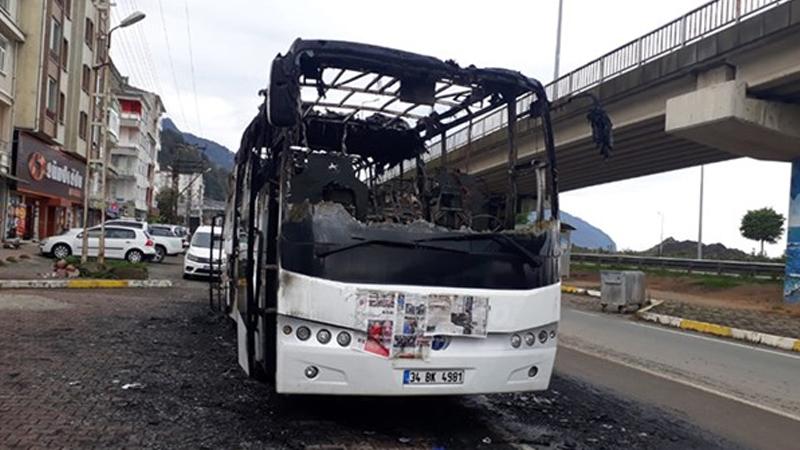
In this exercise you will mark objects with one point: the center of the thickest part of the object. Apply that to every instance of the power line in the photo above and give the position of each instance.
(171, 64)
(148, 56)
(132, 60)
(191, 65)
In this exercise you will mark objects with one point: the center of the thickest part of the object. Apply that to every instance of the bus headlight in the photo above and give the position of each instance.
(323, 336)
(303, 333)
(343, 338)
(543, 336)
(287, 329)
(516, 341)
(530, 339)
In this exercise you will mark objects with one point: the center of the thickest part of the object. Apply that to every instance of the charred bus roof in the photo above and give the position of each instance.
(337, 115)
(385, 105)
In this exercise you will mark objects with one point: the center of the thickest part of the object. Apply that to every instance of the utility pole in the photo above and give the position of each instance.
(189, 207)
(175, 188)
(102, 72)
(105, 13)
(700, 219)
(186, 167)
(558, 48)
(661, 238)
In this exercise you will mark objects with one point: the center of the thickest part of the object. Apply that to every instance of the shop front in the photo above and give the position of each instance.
(49, 197)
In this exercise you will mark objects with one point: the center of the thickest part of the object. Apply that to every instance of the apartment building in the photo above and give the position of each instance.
(135, 156)
(11, 37)
(52, 135)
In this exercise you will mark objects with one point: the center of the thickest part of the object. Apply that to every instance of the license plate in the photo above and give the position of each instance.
(441, 376)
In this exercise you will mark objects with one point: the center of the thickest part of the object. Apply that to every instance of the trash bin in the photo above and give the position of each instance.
(622, 288)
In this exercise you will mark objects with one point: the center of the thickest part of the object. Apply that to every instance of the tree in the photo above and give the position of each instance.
(167, 201)
(763, 225)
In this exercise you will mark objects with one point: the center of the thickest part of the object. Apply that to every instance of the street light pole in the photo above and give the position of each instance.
(661, 236)
(558, 48)
(700, 220)
(133, 18)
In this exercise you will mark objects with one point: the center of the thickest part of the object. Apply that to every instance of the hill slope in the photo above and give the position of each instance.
(216, 153)
(587, 235)
(176, 147)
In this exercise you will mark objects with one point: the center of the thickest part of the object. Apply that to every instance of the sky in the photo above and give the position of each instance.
(209, 84)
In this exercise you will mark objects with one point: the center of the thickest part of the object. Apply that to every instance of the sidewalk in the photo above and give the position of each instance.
(23, 263)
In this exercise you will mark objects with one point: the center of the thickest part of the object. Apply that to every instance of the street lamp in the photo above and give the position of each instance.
(135, 17)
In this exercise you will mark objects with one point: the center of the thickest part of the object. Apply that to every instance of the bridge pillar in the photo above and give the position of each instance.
(791, 286)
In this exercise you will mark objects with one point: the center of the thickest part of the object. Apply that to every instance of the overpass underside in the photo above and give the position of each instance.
(640, 149)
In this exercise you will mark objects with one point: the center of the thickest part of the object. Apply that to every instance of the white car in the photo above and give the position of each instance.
(121, 243)
(166, 242)
(198, 259)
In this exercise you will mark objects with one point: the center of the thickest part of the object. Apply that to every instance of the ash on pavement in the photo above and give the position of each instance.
(154, 368)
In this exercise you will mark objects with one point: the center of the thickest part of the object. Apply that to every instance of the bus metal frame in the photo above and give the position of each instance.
(421, 98)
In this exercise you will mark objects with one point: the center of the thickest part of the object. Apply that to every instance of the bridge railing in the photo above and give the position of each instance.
(697, 24)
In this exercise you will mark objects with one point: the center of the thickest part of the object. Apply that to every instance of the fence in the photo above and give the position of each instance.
(692, 26)
(746, 268)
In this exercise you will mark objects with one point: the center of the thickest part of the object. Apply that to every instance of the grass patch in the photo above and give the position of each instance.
(24, 256)
(111, 270)
(703, 280)
(11, 259)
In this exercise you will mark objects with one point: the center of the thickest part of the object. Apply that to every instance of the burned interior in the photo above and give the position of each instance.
(332, 171)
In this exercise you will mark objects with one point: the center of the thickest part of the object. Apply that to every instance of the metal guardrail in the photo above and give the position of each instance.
(697, 24)
(749, 268)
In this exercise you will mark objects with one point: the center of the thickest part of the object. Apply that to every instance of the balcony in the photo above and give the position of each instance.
(128, 119)
(125, 149)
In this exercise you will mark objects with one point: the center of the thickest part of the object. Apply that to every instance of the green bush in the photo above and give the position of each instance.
(111, 270)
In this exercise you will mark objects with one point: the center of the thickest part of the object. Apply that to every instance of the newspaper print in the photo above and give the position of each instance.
(376, 313)
(409, 341)
(457, 315)
(401, 325)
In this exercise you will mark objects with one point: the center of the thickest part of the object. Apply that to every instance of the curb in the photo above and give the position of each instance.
(755, 337)
(580, 291)
(83, 284)
(770, 340)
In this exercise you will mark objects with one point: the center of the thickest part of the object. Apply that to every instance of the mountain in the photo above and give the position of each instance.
(674, 248)
(585, 236)
(176, 146)
(216, 153)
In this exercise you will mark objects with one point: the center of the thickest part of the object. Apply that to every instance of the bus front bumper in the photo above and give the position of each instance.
(489, 365)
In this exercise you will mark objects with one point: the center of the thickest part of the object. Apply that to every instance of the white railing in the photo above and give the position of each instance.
(692, 26)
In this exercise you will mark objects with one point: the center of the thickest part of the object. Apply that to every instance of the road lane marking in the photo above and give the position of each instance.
(684, 382)
(692, 335)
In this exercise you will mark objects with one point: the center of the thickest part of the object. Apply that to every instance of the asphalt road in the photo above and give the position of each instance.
(153, 368)
(747, 394)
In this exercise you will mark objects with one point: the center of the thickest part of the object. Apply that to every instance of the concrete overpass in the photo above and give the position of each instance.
(720, 82)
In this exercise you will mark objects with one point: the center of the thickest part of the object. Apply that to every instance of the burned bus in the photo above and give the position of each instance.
(354, 266)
